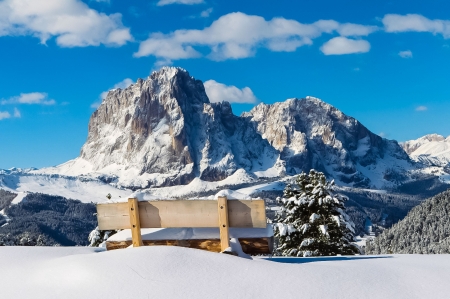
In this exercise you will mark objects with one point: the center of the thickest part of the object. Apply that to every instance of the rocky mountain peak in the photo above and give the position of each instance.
(164, 131)
(310, 133)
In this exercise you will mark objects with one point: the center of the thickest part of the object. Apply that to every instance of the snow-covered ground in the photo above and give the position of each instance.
(91, 189)
(19, 198)
(85, 190)
(174, 272)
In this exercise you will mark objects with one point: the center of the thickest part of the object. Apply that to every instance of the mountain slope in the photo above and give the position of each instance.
(163, 131)
(432, 150)
(310, 133)
(426, 229)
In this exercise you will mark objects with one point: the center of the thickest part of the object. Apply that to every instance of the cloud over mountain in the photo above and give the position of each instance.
(218, 92)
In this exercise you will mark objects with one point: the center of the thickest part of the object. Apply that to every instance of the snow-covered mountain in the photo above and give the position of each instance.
(310, 133)
(432, 150)
(163, 131)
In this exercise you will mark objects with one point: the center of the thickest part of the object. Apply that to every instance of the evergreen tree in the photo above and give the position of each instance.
(312, 221)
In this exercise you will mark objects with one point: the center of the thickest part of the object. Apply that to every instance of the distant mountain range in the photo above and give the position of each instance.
(432, 149)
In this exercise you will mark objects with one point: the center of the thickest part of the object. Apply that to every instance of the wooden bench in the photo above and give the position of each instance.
(243, 217)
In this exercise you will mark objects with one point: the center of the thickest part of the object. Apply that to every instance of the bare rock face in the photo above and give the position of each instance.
(165, 129)
(310, 133)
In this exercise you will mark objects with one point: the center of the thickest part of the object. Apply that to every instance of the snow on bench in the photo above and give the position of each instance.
(202, 224)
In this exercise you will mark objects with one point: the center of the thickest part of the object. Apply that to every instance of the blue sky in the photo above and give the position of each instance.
(385, 62)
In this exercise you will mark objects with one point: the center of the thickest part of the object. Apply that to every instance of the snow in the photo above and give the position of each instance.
(445, 178)
(277, 185)
(193, 233)
(84, 189)
(363, 147)
(230, 194)
(19, 198)
(174, 272)
(91, 189)
(430, 149)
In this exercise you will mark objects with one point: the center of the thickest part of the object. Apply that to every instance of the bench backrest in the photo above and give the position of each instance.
(220, 213)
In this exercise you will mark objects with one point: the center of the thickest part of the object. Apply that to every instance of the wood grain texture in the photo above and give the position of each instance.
(252, 246)
(182, 213)
(133, 210)
(222, 209)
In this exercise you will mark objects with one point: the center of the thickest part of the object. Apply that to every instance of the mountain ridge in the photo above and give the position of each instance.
(431, 150)
(163, 131)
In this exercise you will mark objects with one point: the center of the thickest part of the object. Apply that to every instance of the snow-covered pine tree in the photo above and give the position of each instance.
(312, 221)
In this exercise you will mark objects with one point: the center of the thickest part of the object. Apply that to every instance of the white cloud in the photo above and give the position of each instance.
(349, 29)
(72, 22)
(417, 23)
(422, 108)
(218, 92)
(187, 2)
(4, 115)
(122, 85)
(405, 54)
(206, 13)
(382, 134)
(341, 45)
(237, 35)
(38, 98)
(17, 113)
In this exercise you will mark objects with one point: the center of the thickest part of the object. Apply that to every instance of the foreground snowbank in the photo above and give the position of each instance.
(174, 272)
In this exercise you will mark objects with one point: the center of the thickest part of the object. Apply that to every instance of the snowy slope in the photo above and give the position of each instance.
(78, 187)
(432, 150)
(171, 272)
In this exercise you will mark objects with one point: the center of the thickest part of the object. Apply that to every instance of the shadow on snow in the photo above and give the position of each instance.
(302, 260)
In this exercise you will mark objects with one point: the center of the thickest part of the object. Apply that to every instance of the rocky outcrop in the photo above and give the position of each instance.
(166, 125)
(310, 133)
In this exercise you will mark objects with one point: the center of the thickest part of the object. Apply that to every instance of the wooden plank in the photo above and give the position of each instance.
(222, 208)
(247, 213)
(182, 213)
(113, 216)
(252, 246)
(178, 213)
(133, 210)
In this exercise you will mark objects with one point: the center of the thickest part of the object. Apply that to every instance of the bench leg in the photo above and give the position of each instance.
(223, 223)
(133, 207)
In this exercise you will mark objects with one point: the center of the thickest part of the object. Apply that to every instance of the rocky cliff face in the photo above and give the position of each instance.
(310, 133)
(163, 131)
